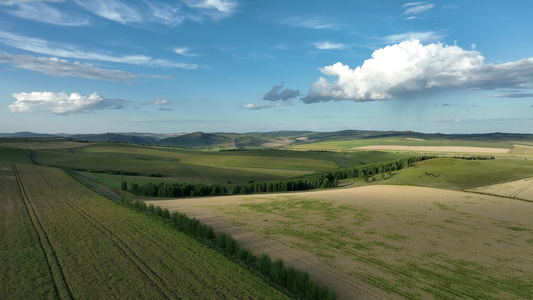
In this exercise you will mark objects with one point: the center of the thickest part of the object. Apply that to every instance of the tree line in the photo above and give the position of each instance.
(296, 282)
(174, 190)
(318, 180)
(328, 179)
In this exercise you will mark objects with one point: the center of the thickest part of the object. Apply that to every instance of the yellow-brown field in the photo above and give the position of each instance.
(385, 242)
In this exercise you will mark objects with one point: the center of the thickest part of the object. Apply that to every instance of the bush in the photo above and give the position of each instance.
(264, 264)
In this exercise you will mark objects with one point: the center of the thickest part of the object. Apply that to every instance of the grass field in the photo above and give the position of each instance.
(460, 174)
(349, 144)
(180, 165)
(61, 240)
(389, 242)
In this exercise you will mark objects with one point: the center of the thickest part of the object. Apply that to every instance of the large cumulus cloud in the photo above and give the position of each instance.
(413, 67)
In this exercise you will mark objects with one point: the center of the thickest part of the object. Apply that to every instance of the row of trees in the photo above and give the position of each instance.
(296, 282)
(476, 157)
(328, 179)
(319, 180)
(174, 190)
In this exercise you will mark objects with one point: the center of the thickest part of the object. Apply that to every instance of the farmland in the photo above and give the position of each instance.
(438, 229)
(180, 165)
(61, 240)
(387, 241)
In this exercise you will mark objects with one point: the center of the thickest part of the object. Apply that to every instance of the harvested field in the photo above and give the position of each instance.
(60, 240)
(519, 189)
(521, 149)
(386, 242)
(440, 149)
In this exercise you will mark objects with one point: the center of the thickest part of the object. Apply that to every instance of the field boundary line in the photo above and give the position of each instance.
(501, 196)
(56, 271)
(157, 282)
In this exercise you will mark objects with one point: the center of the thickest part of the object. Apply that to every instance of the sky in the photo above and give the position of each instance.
(177, 66)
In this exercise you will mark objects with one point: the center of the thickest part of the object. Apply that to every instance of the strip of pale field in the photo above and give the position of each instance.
(386, 242)
(519, 189)
(61, 240)
(441, 149)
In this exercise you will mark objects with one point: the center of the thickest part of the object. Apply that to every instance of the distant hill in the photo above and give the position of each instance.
(276, 139)
(27, 134)
(198, 140)
(115, 137)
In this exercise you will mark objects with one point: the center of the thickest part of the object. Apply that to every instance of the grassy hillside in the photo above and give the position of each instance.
(460, 174)
(107, 160)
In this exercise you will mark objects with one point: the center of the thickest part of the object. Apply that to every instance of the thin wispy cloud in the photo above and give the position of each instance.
(138, 13)
(113, 10)
(424, 37)
(44, 47)
(214, 8)
(159, 12)
(62, 103)
(60, 67)
(414, 10)
(310, 22)
(185, 52)
(45, 13)
(13, 2)
(327, 45)
(512, 95)
(411, 67)
(160, 102)
(256, 106)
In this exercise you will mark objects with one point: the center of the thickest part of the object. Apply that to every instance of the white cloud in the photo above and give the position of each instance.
(45, 13)
(113, 10)
(41, 46)
(329, 45)
(185, 52)
(255, 106)
(263, 106)
(310, 22)
(412, 67)
(414, 9)
(214, 8)
(62, 103)
(424, 37)
(160, 102)
(13, 2)
(60, 67)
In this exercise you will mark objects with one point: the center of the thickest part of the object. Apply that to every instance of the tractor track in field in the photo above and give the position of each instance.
(156, 281)
(61, 287)
(520, 190)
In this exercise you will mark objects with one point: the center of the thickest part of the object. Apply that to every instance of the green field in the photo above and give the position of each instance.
(459, 174)
(101, 161)
(14, 155)
(61, 240)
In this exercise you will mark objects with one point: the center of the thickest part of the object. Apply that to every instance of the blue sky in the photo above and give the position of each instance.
(162, 66)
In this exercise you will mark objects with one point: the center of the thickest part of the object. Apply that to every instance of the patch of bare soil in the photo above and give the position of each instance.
(519, 189)
(455, 149)
(385, 242)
